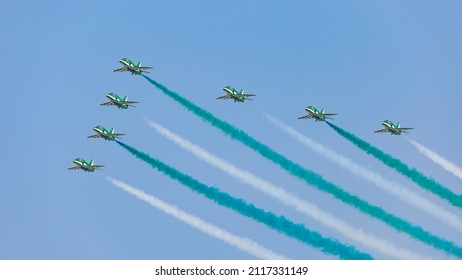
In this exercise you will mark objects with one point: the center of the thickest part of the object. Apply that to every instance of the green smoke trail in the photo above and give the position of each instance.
(312, 178)
(279, 223)
(416, 176)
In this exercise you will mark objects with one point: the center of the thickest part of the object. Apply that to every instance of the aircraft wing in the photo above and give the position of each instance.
(93, 136)
(106, 104)
(305, 117)
(326, 115)
(117, 135)
(121, 69)
(97, 166)
(141, 68)
(131, 102)
(224, 97)
(404, 129)
(381, 131)
(247, 96)
(74, 168)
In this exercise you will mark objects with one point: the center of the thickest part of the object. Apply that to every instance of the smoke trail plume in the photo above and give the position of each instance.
(416, 176)
(391, 187)
(436, 158)
(288, 199)
(241, 243)
(312, 178)
(279, 223)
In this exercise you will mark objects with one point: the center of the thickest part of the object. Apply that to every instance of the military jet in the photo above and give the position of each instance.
(101, 132)
(130, 66)
(394, 129)
(317, 115)
(85, 166)
(237, 96)
(121, 103)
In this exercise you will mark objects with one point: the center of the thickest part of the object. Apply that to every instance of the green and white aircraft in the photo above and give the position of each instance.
(237, 96)
(121, 103)
(317, 115)
(394, 129)
(130, 66)
(85, 166)
(101, 132)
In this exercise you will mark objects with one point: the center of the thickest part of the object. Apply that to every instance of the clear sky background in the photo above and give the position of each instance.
(365, 60)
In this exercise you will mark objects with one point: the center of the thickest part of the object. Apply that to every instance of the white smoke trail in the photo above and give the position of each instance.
(391, 187)
(446, 164)
(239, 242)
(288, 199)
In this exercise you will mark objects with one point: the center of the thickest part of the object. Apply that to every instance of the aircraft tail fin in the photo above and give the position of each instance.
(91, 162)
(112, 131)
(125, 98)
(322, 111)
(398, 125)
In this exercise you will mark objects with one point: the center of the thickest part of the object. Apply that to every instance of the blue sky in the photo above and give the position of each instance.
(367, 61)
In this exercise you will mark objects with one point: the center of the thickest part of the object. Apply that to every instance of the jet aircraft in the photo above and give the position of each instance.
(237, 96)
(130, 66)
(85, 166)
(101, 132)
(121, 103)
(394, 129)
(318, 115)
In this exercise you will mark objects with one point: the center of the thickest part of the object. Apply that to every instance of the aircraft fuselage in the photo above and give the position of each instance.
(117, 101)
(313, 113)
(234, 94)
(106, 135)
(84, 166)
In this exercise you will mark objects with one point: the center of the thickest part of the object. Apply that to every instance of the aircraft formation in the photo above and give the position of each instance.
(231, 93)
(319, 115)
(313, 112)
(120, 103)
